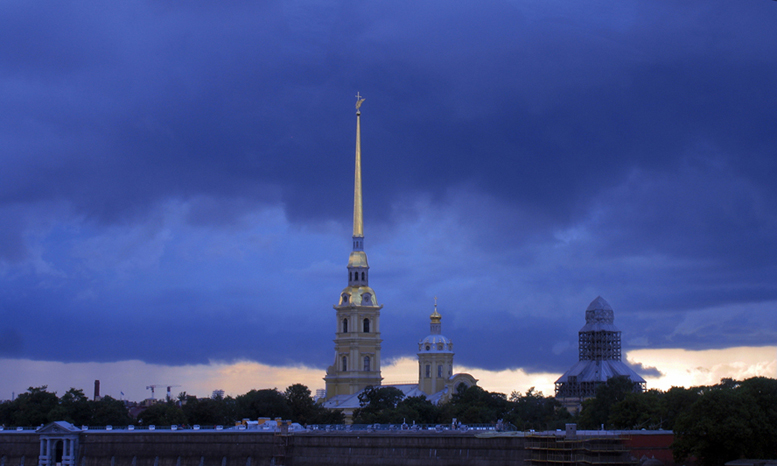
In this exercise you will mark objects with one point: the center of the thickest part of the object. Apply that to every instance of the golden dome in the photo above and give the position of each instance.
(358, 259)
(358, 296)
(435, 315)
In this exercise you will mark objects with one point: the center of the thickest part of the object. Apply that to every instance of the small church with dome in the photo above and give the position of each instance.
(435, 363)
(358, 340)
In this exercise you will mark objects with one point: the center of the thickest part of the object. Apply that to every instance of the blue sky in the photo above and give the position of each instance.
(176, 183)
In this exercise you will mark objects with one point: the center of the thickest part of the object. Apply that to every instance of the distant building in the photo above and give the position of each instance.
(435, 364)
(357, 335)
(435, 357)
(436, 380)
(599, 358)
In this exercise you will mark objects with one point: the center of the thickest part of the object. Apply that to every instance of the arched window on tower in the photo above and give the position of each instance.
(428, 371)
(345, 364)
(439, 371)
(366, 363)
(366, 325)
(350, 276)
(363, 275)
(345, 325)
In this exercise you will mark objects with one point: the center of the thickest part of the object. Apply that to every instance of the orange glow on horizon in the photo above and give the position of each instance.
(678, 368)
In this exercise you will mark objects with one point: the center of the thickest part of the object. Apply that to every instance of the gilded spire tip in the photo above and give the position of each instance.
(358, 221)
(359, 100)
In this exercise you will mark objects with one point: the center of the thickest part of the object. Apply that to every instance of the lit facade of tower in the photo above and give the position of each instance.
(599, 355)
(435, 357)
(357, 336)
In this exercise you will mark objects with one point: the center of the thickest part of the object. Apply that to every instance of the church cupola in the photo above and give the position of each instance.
(435, 357)
(435, 327)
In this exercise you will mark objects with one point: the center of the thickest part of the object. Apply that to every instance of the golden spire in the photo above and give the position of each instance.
(435, 317)
(358, 220)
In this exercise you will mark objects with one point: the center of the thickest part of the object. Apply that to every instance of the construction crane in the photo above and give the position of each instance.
(168, 391)
(152, 387)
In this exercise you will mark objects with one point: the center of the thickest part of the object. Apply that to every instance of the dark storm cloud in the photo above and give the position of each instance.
(204, 99)
(161, 314)
(625, 150)
(11, 343)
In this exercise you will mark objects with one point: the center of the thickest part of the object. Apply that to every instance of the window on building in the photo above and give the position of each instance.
(366, 363)
(428, 371)
(439, 371)
(363, 275)
(345, 325)
(450, 371)
(366, 325)
(345, 364)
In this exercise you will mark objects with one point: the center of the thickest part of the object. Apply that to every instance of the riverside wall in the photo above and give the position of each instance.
(246, 448)
(318, 448)
(18, 448)
(406, 449)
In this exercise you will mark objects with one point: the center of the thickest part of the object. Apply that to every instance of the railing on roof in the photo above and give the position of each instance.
(17, 428)
(505, 427)
(129, 428)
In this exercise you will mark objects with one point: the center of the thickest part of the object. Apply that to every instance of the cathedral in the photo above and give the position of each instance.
(357, 341)
(599, 354)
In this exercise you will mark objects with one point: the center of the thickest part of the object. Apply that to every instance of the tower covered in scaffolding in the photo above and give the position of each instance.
(599, 353)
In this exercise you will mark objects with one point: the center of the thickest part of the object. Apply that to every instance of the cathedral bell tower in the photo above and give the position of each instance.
(435, 357)
(357, 337)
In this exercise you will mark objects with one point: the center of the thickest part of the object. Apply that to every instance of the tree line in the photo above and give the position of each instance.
(38, 406)
(473, 405)
(715, 424)
(384, 405)
(295, 404)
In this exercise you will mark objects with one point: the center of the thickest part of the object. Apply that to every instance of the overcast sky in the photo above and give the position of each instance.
(176, 178)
